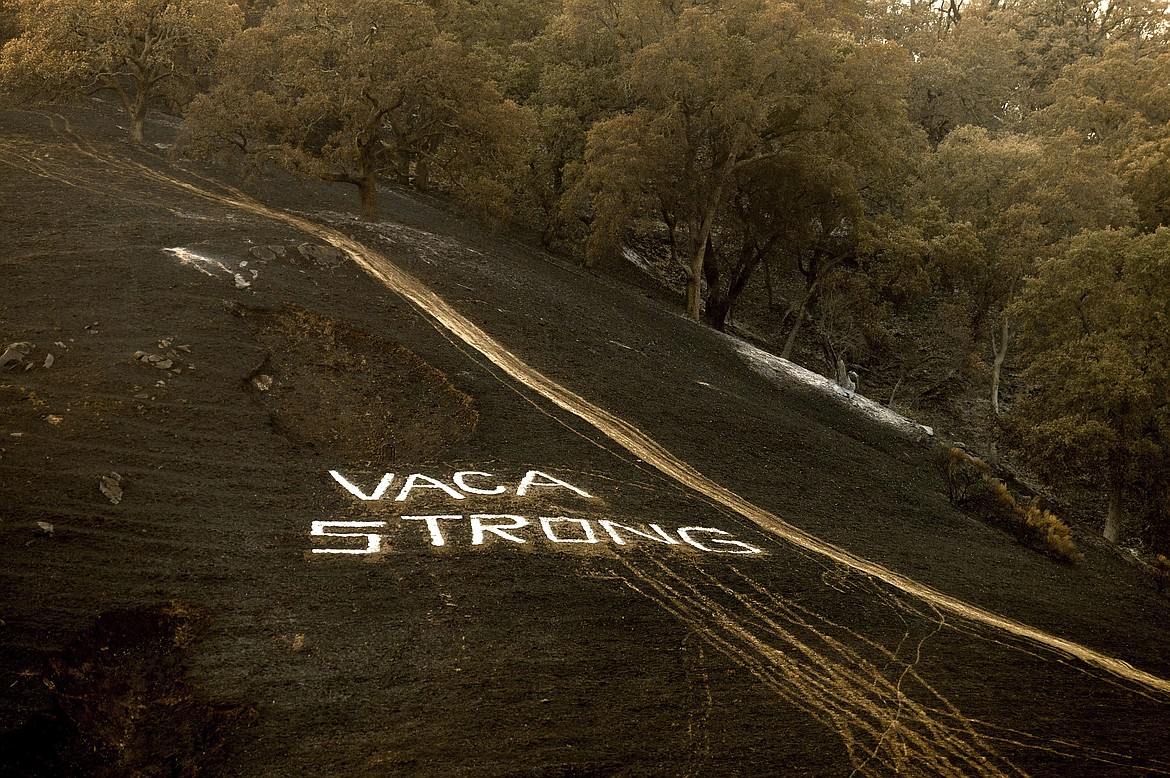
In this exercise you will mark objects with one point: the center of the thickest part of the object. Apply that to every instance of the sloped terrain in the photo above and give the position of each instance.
(443, 505)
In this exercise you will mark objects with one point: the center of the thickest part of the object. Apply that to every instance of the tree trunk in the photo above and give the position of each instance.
(1115, 516)
(711, 273)
(695, 276)
(366, 178)
(402, 167)
(135, 109)
(368, 187)
(718, 311)
(422, 173)
(694, 301)
(138, 117)
(768, 281)
(997, 367)
(703, 239)
(1160, 521)
(719, 307)
(795, 331)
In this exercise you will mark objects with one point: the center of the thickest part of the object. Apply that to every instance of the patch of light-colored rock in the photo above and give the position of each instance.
(777, 369)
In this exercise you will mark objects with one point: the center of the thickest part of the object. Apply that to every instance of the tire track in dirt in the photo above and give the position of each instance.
(882, 727)
(890, 720)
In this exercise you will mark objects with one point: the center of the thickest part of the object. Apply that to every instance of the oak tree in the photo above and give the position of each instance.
(1050, 35)
(139, 49)
(743, 113)
(1096, 332)
(354, 90)
(1021, 196)
(1119, 105)
(970, 76)
(9, 21)
(584, 54)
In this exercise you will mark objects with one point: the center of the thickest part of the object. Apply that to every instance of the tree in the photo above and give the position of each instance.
(971, 75)
(992, 62)
(1021, 196)
(585, 54)
(1096, 331)
(353, 90)
(254, 10)
(695, 121)
(752, 127)
(139, 49)
(1119, 104)
(1054, 34)
(502, 35)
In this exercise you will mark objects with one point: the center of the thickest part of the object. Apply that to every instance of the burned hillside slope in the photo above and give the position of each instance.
(407, 561)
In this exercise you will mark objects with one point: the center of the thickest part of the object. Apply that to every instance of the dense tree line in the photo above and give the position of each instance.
(925, 189)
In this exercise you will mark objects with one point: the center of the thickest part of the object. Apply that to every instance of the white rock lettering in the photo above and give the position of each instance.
(373, 540)
(532, 479)
(499, 530)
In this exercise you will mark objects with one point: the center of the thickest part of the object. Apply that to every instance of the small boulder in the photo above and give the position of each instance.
(14, 354)
(325, 256)
(263, 253)
(111, 486)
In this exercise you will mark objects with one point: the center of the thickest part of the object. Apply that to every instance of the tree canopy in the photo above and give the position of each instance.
(750, 130)
(351, 90)
(139, 49)
(1097, 333)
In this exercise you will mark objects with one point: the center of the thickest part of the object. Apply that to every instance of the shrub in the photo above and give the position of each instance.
(964, 473)
(1052, 535)
(969, 482)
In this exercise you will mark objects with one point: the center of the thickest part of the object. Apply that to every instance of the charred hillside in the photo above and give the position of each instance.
(286, 492)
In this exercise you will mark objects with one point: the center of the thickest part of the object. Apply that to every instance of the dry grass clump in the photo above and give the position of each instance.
(970, 483)
(1052, 534)
(964, 473)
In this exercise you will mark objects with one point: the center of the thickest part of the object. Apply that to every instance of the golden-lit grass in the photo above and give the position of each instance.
(970, 483)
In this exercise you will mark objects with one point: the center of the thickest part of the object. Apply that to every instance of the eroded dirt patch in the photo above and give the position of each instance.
(353, 394)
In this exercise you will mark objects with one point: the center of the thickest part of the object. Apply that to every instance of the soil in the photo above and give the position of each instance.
(546, 593)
